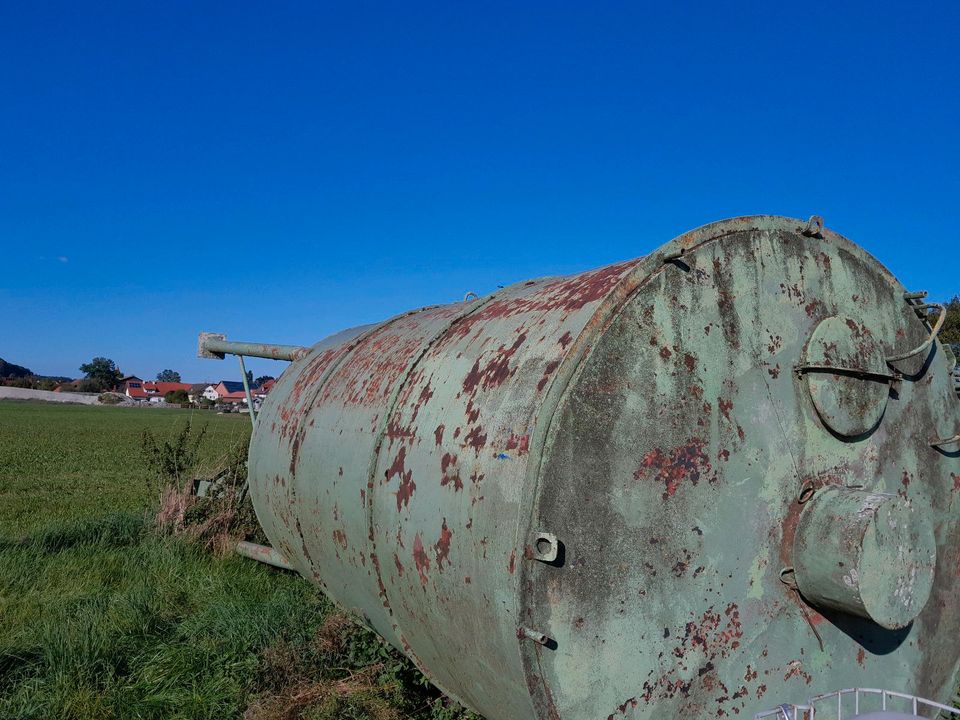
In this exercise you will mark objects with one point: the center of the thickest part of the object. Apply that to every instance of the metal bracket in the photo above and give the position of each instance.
(919, 309)
(946, 441)
(546, 547)
(671, 256)
(814, 227)
(201, 345)
(788, 577)
(525, 633)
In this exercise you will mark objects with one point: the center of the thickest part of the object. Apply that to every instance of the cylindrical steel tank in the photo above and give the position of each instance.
(678, 486)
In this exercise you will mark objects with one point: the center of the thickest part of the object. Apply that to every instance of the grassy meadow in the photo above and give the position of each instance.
(102, 615)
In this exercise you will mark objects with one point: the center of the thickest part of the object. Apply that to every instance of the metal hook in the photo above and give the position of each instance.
(814, 226)
(792, 582)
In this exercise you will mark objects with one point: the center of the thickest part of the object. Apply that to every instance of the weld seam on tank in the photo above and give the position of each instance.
(645, 271)
(390, 409)
(328, 373)
(320, 384)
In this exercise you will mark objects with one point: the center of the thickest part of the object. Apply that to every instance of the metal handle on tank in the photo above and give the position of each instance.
(946, 441)
(933, 333)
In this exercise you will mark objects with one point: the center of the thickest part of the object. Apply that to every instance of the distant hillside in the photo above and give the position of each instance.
(11, 370)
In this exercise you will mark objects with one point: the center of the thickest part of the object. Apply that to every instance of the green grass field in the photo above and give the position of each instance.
(64, 462)
(103, 617)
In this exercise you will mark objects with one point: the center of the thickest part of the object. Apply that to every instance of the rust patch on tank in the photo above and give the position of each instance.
(495, 371)
(421, 559)
(520, 443)
(687, 462)
(701, 643)
(442, 548)
(449, 475)
(476, 439)
(547, 371)
(407, 485)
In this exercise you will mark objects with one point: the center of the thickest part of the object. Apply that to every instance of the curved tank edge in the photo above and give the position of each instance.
(579, 353)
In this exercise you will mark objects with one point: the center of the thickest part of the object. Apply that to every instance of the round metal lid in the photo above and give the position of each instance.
(897, 564)
(846, 375)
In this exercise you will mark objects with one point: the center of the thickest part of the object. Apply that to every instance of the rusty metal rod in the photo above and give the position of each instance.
(263, 554)
(218, 346)
(246, 390)
(933, 333)
(946, 441)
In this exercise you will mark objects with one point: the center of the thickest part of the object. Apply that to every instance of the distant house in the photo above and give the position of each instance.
(268, 386)
(198, 391)
(132, 387)
(229, 391)
(156, 391)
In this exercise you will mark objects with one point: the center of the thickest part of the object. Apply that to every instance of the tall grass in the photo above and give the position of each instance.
(109, 620)
(102, 616)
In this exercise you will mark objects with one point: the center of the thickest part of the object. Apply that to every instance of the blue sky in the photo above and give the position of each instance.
(278, 171)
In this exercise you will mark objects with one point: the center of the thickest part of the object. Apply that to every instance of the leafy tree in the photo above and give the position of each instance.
(263, 378)
(168, 376)
(950, 334)
(86, 385)
(101, 371)
(175, 397)
(250, 378)
(11, 370)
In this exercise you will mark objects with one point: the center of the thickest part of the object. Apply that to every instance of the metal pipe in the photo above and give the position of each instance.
(263, 554)
(246, 390)
(930, 338)
(216, 345)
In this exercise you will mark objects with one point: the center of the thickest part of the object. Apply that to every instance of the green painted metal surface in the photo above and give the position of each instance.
(574, 498)
(865, 553)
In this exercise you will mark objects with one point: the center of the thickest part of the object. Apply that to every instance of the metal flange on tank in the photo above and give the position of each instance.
(678, 486)
(869, 554)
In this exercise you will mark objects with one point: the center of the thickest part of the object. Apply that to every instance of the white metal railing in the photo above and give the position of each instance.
(809, 710)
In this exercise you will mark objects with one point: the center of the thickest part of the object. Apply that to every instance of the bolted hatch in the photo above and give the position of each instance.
(846, 376)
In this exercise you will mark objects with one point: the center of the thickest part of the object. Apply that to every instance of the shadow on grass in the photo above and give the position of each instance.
(111, 531)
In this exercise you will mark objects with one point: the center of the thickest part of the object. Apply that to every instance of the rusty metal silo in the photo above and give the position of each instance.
(677, 486)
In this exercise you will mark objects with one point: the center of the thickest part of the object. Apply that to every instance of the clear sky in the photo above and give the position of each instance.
(278, 171)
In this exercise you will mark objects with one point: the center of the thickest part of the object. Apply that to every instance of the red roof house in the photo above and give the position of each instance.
(159, 389)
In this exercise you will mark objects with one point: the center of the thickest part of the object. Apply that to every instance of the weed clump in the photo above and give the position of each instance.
(215, 521)
(344, 671)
